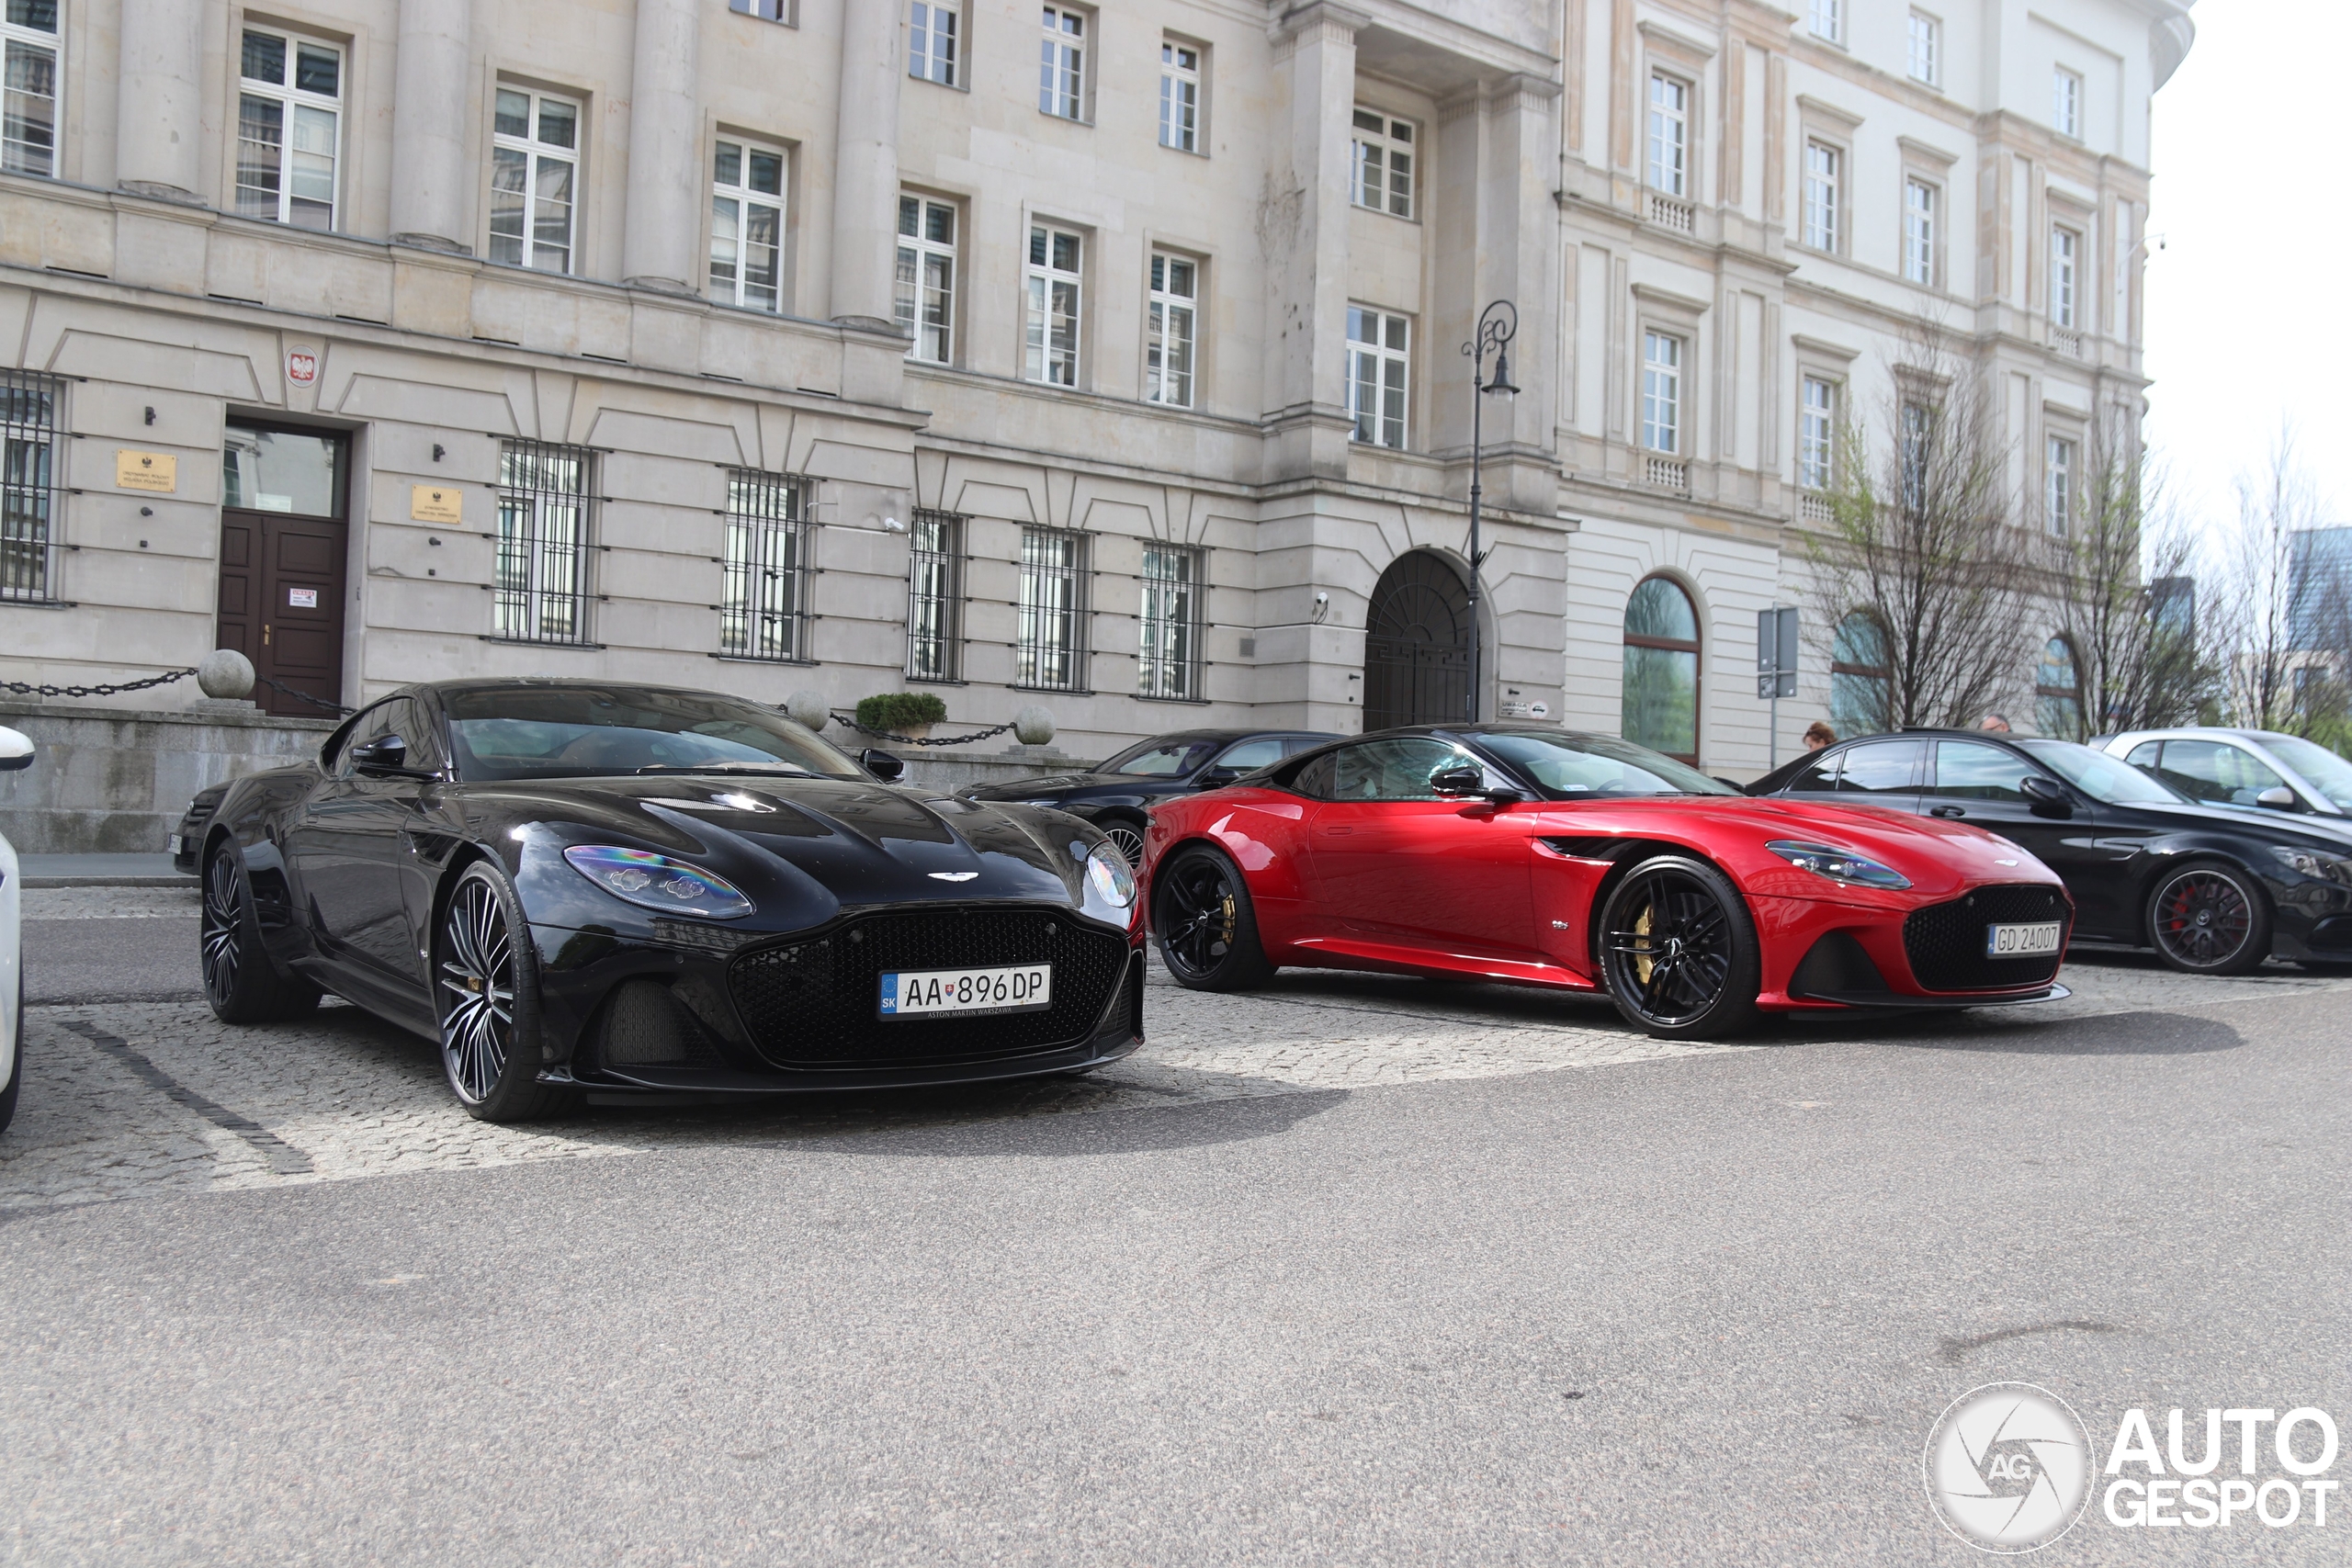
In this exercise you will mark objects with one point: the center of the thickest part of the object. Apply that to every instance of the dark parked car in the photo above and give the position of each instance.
(2214, 889)
(1115, 795)
(573, 884)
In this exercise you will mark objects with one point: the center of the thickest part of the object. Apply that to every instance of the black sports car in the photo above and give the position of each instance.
(1115, 795)
(2214, 889)
(573, 885)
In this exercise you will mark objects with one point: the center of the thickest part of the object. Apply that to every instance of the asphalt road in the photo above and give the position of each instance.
(111, 960)
(1694, 1310)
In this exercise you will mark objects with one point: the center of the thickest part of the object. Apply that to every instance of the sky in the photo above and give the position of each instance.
(2249, 318)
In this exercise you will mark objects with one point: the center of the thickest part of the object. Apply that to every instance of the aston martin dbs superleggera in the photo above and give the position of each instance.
(573, 885)
(1541, 857)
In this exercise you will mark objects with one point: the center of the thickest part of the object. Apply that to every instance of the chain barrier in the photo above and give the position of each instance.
(29, 689)
(283, 690)
(921, 739)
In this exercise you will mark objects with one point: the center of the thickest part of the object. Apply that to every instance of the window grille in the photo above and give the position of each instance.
(27, 487)
(1051, 653)
(544, 504)
(935, 597)
(1171, 660)
(763, 598)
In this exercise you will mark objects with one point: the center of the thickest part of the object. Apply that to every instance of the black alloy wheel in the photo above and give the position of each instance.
(2208, 918)
(1207, 929)
(1678, 951)
(240, 981)
(485, 977)
(1126, 838)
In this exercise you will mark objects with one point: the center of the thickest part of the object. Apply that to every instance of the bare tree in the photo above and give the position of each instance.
(2253, 625)
(1919, 547)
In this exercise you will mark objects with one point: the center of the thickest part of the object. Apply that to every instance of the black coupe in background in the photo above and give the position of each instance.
(1115, 795)
(573, 885)
(2214, 889)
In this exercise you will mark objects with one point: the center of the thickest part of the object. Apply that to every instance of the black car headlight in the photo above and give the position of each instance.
(656, 882)
(2316, 864)
(1108, 873)
(1840, 866)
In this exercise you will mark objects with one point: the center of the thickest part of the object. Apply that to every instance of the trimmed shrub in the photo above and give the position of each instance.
(898, 711)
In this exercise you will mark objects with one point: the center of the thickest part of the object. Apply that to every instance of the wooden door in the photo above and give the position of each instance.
(281, 604)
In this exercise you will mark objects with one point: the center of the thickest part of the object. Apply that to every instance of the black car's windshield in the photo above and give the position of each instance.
(2102, 777)
(1589, 767)
(552, 732)
(1160, 759)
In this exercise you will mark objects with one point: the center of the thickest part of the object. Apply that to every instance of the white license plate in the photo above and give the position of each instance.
(933, 993)
(2021, 942)
(175, 844)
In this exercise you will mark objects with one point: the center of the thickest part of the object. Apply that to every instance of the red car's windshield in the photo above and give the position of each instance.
(1590, 767)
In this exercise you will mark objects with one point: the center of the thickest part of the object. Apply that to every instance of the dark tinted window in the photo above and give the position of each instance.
(1822, 776)
(1970, 770)
(1880, 767)
(2217, 772)
(544, 732)
(1248, 756)
(374, 722)
(1312, 778)
(1161, 759)
(1397, 768)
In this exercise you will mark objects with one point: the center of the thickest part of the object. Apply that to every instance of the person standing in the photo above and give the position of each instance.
(1995, 722)
(1818, 736)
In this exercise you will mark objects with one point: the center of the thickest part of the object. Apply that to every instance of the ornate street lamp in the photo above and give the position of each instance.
(1496, 327)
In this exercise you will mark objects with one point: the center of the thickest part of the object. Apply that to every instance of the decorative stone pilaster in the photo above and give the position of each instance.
(1303, 235)
(666, 179)
(432, 179)
(159, 112)
(866, 167)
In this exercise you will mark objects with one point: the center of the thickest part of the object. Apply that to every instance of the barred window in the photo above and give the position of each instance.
(27, 486)
(543, 542)
(935, 597)
(1051, 650)
(1171, 661)
(763, 597)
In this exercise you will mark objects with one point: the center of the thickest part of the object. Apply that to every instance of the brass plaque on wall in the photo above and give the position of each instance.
(436, 503)
(158, 471)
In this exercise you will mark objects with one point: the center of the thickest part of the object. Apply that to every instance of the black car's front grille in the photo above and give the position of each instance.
(813, 1003)
(1945, 943)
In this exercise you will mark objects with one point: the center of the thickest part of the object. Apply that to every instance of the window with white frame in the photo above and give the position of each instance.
(785, 11)
(1924, 57)
(2058, 486)
(1062, 69)
(1180, 95)
(935, 596)
(289, 121)
(1171, 330)
(763, 577)
(1381, 173)
(747, 225)
(1920, 232)
(1054, 284)
(1669, 134)
(926, 301)
(1379, 363)
(931, 42)
(1823, 164)
(1168, 666)
(2065, 246)
(1826, 19)
(1049, 647)
(28, 133)
(1662, 392)
(534, 168)
(2067, 102)
(1817, 433)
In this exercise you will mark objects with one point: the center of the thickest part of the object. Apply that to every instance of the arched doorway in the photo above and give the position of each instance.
(1417, 645)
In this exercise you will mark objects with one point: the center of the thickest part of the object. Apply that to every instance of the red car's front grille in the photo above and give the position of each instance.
(1945, 943)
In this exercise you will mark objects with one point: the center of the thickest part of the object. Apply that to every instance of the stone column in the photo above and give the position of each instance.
(1518, 244)
(159, 114)
(866, 166)
(668, 181)
(433, 180)
(1304, 232)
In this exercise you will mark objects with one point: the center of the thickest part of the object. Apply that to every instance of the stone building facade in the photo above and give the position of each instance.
(1106, 357)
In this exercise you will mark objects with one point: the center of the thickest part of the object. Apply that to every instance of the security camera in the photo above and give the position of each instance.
(891, 524)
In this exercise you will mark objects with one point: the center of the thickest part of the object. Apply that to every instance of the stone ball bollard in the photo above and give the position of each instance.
(1033, 726)
(225, 672)
(807, 709)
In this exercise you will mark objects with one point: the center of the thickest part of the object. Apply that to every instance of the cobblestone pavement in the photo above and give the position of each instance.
(130, 1099)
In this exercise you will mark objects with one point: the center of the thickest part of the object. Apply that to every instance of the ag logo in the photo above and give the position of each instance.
(2008, 1467)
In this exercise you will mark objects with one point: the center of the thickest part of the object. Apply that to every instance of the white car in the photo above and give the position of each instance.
(15, 751)
(2240, 767)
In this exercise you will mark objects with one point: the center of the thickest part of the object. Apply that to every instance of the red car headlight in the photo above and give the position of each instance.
(1840, 866)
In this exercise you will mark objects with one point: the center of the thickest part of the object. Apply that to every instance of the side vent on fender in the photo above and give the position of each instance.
(1584, 848)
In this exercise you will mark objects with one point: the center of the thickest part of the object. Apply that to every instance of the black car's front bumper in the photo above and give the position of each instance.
(700, 1008)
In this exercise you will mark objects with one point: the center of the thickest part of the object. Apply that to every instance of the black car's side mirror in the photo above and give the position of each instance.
(1214, 778)
(2278, 797)
(384, 757)
(882, 764)
(2047, 797)
(1458, 779)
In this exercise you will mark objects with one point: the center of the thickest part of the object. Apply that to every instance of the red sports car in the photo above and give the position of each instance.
(1539, 857)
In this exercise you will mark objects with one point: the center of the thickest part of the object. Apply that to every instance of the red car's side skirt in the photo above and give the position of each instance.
(1349, 952)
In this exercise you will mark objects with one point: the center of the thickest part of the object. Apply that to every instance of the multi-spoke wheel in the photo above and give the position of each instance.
(1207, 929)
(1128, 839)
(240, 981)
(1678, 950)
(2208, 918)
(484, 982)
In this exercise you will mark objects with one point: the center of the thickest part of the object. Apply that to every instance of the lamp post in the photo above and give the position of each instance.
(1497, 326)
